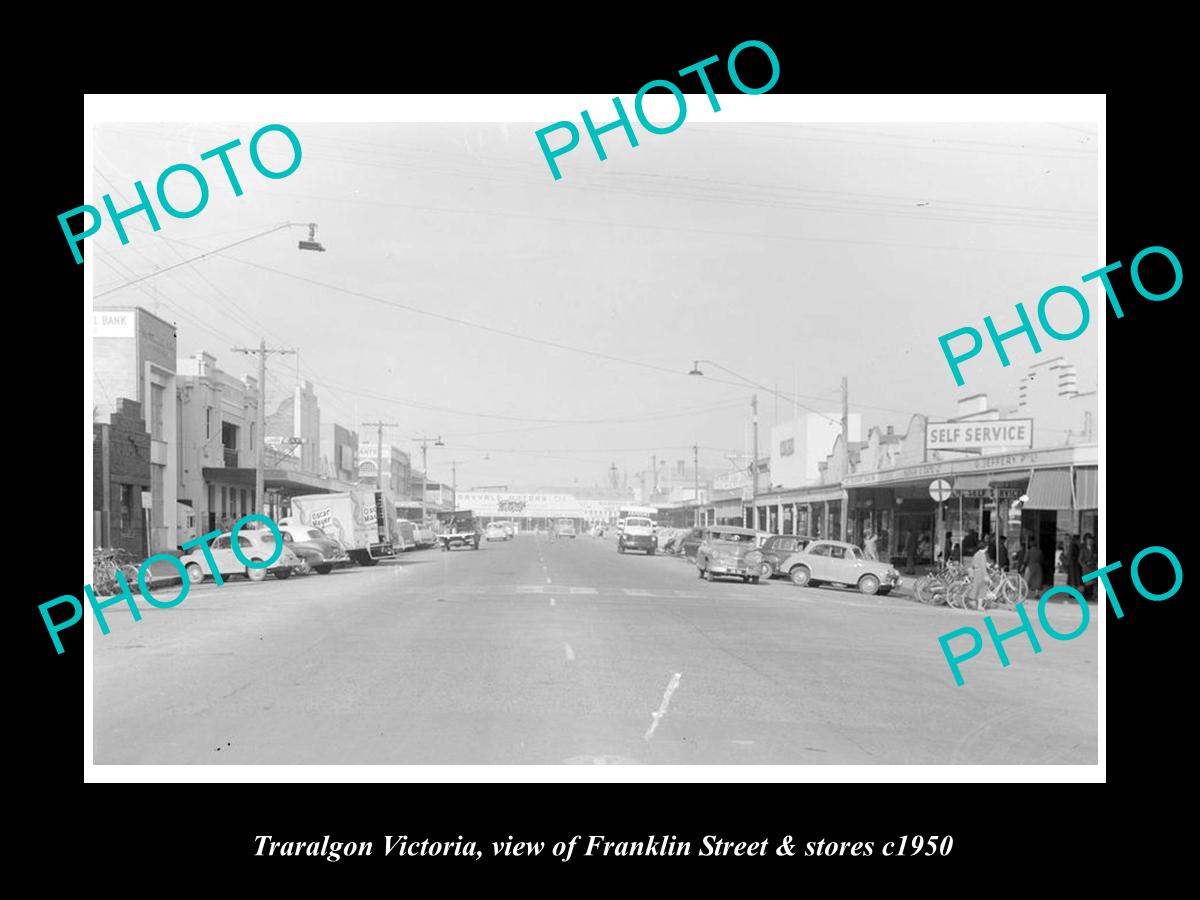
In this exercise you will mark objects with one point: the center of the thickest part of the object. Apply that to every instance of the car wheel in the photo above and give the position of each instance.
(800, 575)
(754, 579)
(708, 575)
(650, 552)
(282, 574)
(255, 574)
(195, 573)
(305, 567)
(699, 571)
(868, 584)
(324, 570)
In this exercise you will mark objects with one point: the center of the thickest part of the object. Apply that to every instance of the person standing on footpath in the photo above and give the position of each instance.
(948, 548)
(1088, 562)
(970, 544)
(1034, 559)
(979, 575)
(869, 546)
(910, 550)
(1002, 557)
(1071, 562)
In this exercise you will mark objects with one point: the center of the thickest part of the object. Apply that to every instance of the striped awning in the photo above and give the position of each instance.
(1087, 488)
(1050, 489)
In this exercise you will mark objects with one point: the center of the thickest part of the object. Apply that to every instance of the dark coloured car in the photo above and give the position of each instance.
(777, 548)
(686, 543)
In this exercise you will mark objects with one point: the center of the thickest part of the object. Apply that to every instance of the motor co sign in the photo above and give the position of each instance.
(992, 435)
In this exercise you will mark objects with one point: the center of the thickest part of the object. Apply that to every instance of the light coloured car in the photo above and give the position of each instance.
(495, 532)
(256, 545)
(728, 551)
(424, 535)
(836, 562)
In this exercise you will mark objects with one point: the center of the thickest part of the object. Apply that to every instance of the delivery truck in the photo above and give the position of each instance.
(364, 521)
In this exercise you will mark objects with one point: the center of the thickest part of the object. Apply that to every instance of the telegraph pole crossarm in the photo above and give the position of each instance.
(260, 439)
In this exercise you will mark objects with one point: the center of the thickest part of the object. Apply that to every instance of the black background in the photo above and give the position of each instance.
(203, 834)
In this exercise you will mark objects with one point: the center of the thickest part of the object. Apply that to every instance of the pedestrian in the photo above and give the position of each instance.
(1034, 559)
(1071, 562)
(948, 548)
(1019, 561)
(980, 583)
(869, 546)
(1088, 563)
(970, 544)
(910, 550)
(1002, 556)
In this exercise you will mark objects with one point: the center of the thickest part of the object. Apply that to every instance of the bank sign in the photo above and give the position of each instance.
(994, 435)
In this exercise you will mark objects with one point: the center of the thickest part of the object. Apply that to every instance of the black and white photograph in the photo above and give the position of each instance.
(479, 435)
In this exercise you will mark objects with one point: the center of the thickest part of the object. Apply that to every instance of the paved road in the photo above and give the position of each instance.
(533, 651)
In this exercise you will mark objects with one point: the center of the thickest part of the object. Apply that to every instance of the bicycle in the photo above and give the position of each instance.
(106, 563)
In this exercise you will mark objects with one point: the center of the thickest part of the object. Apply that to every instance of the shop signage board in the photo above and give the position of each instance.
(987, 435)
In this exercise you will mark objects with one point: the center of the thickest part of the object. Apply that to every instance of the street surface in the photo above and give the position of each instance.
(533, 651)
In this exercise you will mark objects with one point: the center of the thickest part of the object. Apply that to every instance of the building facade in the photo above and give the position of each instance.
(134, 359)
(120, 476)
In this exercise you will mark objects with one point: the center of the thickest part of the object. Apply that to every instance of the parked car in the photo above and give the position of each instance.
(566, 528)
(836, 562)
(257, 545)
(495, 532)
(687, 543)
(728, 551)
(776, 549)
(638, 534)
(317, 551)
(510, 529)
(424, 536)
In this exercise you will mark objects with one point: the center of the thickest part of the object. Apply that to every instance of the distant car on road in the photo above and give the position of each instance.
(510, 529)
(256, 545)
(688, 542)
(423, 535)
(495, 532)
(836, 562)
(461, 531)
(776, 549)
(565, 528)
(637, 534)
(728, 551)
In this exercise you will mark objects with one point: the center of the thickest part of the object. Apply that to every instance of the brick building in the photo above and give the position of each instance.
(120, 472)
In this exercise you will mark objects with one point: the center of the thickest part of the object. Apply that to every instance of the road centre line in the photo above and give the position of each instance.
(570, 653)
(662, 708)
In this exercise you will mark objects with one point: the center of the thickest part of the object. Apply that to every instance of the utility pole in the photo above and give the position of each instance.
(846, 460)
(379, 446)
(425, 473)
(454, 485)
(696, 472)
(754, 465)
(653, 475)
(260, 501)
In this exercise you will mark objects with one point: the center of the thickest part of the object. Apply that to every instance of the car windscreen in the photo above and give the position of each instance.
(638, 523)
(313, 533)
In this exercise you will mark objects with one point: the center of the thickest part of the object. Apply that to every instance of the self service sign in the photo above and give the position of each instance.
(996, 434)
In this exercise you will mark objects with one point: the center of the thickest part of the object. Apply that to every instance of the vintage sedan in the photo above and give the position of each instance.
(317, 551)
(777, 548)
(729, 552)
(256, 545)
(495, 532)
(836, 562)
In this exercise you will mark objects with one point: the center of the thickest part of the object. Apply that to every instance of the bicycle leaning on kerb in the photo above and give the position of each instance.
(951, 586)
(106, 562)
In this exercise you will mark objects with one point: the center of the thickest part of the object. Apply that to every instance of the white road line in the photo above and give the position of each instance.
(551, 601)
(637, 592)
(570, 653)
(662, 708)
(583, 590)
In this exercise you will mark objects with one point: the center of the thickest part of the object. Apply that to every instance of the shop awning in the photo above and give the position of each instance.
(1087, 488)
(1050, 489)
(971, 483)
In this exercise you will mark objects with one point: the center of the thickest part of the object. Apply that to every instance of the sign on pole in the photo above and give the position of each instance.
(940, 490)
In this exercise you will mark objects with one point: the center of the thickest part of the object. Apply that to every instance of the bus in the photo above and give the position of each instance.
(624, 512)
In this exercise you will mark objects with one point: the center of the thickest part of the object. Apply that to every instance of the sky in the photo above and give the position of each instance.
(544, 329)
